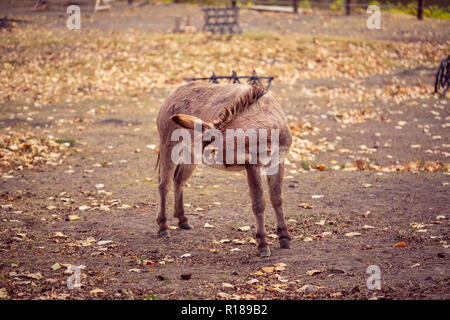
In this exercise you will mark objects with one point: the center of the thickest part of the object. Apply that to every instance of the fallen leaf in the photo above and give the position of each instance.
(4, 294)
(227, 285)
(400, 244)
(305, 205)
(96, 291)
(352, 234)
(313, 272)
(36, 276)
(280, 266)
(60, 235)
(321, 222)
(103, 242)
(268, 269)
(336, 294)
(56, 266)
(224, 295)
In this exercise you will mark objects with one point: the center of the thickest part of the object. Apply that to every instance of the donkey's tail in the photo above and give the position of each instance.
(157, 163)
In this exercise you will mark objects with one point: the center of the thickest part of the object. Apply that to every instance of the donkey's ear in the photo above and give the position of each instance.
(187, 121)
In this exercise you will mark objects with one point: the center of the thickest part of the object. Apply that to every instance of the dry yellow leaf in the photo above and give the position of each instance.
(268, 269)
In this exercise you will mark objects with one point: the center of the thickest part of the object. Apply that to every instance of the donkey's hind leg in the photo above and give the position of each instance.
(182, 174)
(275, 183)
(166, 169)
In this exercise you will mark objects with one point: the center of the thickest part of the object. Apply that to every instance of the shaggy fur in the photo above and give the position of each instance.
(222, 106)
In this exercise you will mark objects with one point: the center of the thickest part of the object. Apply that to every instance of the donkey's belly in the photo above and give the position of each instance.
(236, 167)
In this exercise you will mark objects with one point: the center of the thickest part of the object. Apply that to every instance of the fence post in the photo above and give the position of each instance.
(295, 5)
(420, 9)
(348, 8)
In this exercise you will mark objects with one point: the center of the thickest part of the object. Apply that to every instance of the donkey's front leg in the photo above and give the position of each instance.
(182, 174)
(258, 206)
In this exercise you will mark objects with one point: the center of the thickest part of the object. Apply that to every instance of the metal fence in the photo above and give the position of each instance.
(348, 5)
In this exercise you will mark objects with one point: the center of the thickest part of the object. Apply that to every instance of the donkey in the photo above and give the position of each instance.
(222, 107)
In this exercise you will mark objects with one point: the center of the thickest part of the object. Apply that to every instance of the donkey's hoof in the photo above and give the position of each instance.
(285, 243)
(163, 234)
(185, 225)
(264, 252)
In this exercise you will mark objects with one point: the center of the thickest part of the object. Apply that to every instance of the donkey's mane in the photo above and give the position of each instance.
(241, 103)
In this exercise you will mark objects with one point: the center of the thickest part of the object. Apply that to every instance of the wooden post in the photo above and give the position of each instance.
(295, 5)
(99, 5)
(421, 4)
(348, 8)
(177, 28)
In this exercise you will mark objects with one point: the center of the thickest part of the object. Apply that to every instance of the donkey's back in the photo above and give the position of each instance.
(208, 101)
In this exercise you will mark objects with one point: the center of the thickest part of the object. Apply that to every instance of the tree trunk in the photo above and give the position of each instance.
(421, 4)
(295, 5)
(348, 8)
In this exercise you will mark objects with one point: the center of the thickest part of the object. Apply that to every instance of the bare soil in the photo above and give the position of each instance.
(139, 265)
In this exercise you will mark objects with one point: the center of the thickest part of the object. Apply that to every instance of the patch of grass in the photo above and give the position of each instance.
(51, 42)
(306, 165)
(337, 5)
(189, 296)
(164, 279)
(432, 11)
(260, 36)
(304, 4)
(151, 296)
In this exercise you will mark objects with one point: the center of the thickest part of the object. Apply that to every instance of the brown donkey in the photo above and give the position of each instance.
(222, 107)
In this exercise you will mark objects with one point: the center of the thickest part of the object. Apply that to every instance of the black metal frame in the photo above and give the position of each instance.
(254, 79)
(5, 23)
(443, 76)
(221, 20)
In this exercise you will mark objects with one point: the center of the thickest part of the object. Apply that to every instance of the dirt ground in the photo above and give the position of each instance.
(370, 189)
